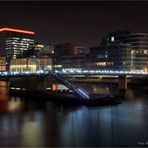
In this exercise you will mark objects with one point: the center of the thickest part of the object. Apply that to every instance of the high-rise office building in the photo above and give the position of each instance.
(121, 50)
(14, 42)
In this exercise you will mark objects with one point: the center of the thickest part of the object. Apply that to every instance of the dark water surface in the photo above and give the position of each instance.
(43, 123)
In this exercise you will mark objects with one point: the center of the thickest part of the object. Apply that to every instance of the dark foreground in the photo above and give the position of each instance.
(26, 122)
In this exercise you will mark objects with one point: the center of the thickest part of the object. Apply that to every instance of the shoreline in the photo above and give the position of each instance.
(65, 98)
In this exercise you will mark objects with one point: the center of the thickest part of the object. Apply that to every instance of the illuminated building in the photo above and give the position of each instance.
(14, 42)
(121, 50)
(44, 54)
(31, 61)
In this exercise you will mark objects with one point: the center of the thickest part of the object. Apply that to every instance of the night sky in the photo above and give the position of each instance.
(78, 22)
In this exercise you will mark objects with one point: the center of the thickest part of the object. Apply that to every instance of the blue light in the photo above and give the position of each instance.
(5, 73)
(46, 72)
(83, 93)
(75, 72)
(39, 71)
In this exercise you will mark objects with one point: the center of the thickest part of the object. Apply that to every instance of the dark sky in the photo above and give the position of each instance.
(78, 22)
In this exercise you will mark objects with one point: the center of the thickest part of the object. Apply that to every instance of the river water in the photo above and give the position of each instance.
(40, 123)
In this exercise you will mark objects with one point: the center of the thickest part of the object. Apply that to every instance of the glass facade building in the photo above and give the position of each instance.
(121, 50)
(15, 42)
(32, 61)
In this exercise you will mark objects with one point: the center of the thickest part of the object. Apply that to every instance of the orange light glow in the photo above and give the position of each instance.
(16, 30)
(54, 87)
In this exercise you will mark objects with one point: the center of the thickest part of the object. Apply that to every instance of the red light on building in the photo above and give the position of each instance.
(16, 30)
(54, 87)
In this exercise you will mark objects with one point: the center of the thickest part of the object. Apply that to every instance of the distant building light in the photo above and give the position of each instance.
(112, 39)
(57, 66)
(39, 46)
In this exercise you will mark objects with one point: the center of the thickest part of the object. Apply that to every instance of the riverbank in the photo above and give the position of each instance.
(65, 97)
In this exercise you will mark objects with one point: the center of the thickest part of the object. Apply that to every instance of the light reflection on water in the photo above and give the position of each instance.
(40, 123)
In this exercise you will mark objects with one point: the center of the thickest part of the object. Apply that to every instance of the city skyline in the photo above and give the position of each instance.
(73, 73)
(79, 22)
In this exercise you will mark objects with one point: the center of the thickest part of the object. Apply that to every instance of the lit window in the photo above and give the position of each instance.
(145, 52)
(112, 39)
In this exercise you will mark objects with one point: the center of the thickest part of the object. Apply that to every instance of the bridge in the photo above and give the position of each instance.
(77, 90)
(122, 75)
(74, 72)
